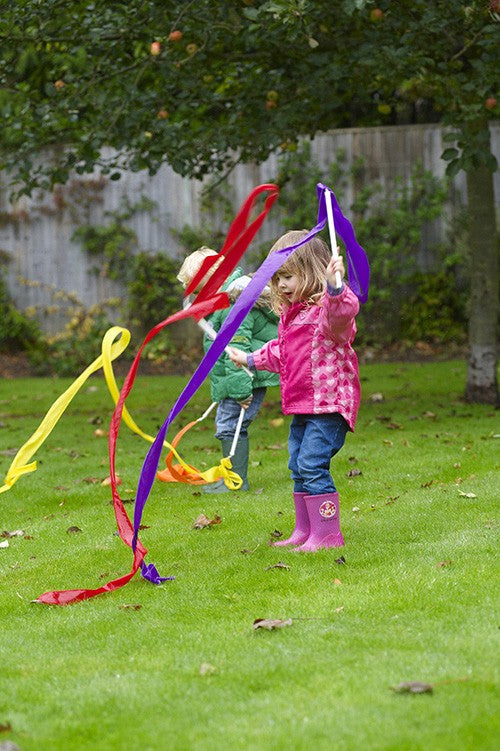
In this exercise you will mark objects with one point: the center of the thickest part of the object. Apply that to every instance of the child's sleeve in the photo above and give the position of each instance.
(238, 382)
(338, 315)
(268, 357)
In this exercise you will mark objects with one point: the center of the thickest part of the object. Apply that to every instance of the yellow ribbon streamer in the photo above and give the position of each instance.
(231, 479)
(222, 470)
(19, 465)
(110, 350)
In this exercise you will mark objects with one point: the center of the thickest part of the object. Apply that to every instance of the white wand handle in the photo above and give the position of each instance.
(333, 238)
(211, 332)
(237, 432)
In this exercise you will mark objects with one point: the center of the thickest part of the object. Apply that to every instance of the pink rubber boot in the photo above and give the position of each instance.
(301, 531)
(324, 519)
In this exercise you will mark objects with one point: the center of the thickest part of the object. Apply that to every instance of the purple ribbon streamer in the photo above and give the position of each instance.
(358, 279)
(150, 572)
(357, 262)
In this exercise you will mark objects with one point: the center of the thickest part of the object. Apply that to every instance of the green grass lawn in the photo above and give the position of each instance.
(182, 667)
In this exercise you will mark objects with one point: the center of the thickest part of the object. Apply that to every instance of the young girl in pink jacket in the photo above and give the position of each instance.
(319, 380)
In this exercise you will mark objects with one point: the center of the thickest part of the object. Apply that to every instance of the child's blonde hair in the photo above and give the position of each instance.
(308, 263)
(192, 264)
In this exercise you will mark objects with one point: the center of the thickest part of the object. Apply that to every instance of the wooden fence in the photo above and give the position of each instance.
(44, 263)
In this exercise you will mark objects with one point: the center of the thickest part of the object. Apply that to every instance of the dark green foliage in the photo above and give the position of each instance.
(246, 79)
(114, 242)
(391, 227)
(17, 332)
(154, 292)
(73, 350)
(434, 311)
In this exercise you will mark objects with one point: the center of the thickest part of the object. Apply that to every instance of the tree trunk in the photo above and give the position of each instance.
(482, 383)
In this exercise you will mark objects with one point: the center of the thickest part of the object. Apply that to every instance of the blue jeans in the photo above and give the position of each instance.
(312, 442)
(229, 410)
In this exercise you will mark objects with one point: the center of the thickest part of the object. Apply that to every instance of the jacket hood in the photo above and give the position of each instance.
(236, 284)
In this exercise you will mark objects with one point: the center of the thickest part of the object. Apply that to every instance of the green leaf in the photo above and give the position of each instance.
(453, 168)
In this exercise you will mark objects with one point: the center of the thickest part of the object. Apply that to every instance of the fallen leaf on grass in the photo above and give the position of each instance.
(467, 495)
(276, 534)
(207, 669)
(14, 533)
(271, 623)
(340, 560)
(353, 473)
(276, 422)
(73, 529)
(387, 442)
(5, 727)
(131, 606)
(107, 481)
(280, 564)
(203, 521)
(100, 433)
(443, 564)
(377, 397)
(412, 687)
(4, 544)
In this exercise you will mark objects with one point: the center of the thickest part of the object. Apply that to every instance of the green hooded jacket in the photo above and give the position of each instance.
(259, 327)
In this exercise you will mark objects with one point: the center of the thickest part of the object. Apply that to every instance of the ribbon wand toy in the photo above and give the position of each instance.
(333, 238)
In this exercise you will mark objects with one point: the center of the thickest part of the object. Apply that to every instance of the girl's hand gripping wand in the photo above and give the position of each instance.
(333, 238)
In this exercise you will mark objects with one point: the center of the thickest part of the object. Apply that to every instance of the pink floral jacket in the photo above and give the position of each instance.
(313, 354)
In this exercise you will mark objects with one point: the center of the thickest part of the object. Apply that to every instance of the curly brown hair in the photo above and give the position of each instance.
(308, 263)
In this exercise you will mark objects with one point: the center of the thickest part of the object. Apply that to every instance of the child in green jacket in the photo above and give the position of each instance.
(231, 386)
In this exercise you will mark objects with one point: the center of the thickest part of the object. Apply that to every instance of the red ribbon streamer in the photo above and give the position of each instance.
(207, 301)
(125, 528)
(238, 239)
